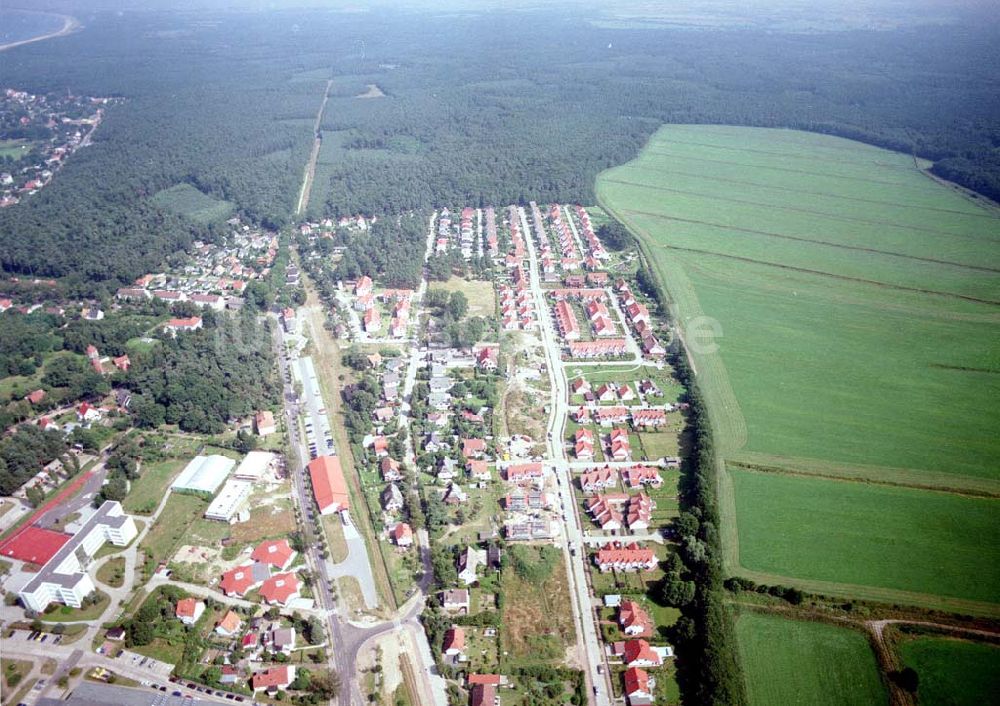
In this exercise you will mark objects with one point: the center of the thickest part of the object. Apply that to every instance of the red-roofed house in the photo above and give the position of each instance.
(524, 471)
(402, 535)
(363, 286)
(122, 362)
(649, 417)
(328, 484)
(583, 446)
(598, 480)
(229, 625)
(274, 678)
(88, 413)
(242, 579)
(624, 557)
(189, 610)
(619, 445)
(191, 323)
(473, 448)
(638, 476)
(483, 695)
(280, 588)
(638, 653)
(634, 621)
(35, 397)
(454, 641)
(276, 552)
(638, 687)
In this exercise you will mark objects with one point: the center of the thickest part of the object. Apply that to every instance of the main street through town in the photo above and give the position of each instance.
(588, 642)
(348, 639)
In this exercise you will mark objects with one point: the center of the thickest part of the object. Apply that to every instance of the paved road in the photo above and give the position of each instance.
(588, 642)
(357, 565)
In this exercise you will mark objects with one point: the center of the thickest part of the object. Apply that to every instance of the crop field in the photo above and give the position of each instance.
(953, 671)
(856, 302)
(794, 662)
(891, 537)
(876, 287)
(187, 201)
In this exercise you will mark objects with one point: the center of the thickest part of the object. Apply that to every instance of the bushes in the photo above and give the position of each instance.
(533, 564)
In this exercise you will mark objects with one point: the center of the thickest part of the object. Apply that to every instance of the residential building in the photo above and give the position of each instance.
(277, 553)
(63, 578)
(264, 422)
(274, 678)
(188, 610)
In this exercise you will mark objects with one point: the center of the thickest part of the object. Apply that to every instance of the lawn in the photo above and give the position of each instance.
(186, 200)
(841, 531)
(173, 527)
(793, 662)
(953, 672)
(14, 671)
(15, 149)
(149, 488)
(112, 572)
(883, 319)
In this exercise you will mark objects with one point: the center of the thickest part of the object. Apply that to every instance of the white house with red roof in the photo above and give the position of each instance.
(188, 610)
(280, 589)
(274, 678)
(402, 535)
(638, 687)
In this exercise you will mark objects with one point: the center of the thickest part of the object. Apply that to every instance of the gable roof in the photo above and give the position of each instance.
(328, 483)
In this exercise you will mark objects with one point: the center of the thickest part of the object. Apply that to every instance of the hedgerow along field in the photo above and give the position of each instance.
(795, 662)
(185, 200)
(857, 300)
(953, 672)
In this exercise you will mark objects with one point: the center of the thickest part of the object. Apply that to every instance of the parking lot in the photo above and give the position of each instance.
(319, 437)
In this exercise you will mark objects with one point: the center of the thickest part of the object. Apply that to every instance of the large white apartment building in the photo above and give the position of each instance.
(64, 577)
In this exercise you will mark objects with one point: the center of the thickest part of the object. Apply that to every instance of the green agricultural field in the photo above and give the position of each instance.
(844, 532)
(793, 662)
(856, 303)
(953, 672)
(187, 201)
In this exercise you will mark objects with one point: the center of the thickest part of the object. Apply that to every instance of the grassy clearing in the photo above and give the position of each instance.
(187, 201)
(173, 527)
(334, 527)
(538, 624)
(793, 662)
(953, 672)
(840, 531)
(482, 301)
(148, 489)
(15, 149)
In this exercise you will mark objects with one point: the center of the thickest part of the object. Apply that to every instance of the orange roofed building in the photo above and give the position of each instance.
(328, 484)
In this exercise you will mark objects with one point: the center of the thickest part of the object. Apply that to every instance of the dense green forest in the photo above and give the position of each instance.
(477, 109)
(203, 380)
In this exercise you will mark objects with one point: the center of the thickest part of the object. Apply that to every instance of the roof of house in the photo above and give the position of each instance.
(280, 588)
(640, 650)
(454, 638)
(230, 622)
(276, 552)
(402, 531)
(186, 607)
(493, 679)
(328, 483)
(636, 680)
(243, 578)
(275, 676)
